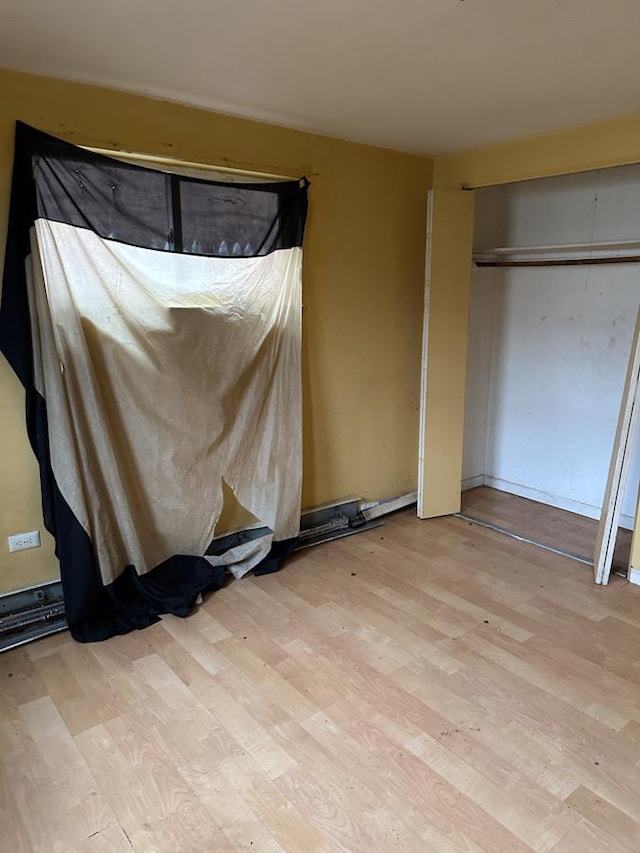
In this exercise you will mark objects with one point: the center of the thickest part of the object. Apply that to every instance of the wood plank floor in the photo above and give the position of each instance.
(547, 524)
(425, 686)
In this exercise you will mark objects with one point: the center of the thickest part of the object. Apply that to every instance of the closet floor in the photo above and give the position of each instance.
(557, 528)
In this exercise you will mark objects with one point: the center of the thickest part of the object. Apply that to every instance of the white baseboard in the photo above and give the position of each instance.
(390, 505)
(634, 576)
(588, 510)
(472, 482)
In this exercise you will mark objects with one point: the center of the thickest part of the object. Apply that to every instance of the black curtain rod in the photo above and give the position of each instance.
(561, 262)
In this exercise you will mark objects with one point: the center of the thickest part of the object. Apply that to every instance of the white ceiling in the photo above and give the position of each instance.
(428, 76)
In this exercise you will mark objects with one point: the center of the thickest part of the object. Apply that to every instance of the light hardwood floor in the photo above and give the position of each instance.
(547, 524)
(425, 686)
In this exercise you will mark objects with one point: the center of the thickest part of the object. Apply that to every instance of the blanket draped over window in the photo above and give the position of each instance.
(154, 321)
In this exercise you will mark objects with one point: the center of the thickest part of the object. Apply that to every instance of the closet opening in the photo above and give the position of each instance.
(555, 291)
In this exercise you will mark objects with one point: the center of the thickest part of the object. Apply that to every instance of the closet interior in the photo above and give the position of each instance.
(554, 299)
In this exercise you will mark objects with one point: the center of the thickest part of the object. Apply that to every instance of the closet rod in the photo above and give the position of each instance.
(561, 262)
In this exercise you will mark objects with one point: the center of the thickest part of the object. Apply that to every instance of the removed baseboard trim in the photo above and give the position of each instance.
(28, 614)
(319, 524)
(569, 504)
(25, 590)
(33, 632)
(225, 541)
(391, 505)
(331, 521)
(349, 505)
(337, 533)
(472, 482)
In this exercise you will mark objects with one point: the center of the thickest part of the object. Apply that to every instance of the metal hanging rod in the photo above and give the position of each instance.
(561, 262)
(574, 254)
(172, 163)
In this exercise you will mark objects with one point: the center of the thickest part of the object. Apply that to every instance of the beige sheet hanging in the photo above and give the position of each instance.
(165, 374)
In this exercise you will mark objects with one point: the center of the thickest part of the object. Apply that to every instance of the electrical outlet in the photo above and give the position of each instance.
(24, 541)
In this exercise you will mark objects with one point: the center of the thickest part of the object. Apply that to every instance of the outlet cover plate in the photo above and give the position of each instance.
(24, 541)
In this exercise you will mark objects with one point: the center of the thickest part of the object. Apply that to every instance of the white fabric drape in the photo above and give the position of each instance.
(164, 374)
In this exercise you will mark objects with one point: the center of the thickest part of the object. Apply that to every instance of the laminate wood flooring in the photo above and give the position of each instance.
(424, 686)
(547, 524)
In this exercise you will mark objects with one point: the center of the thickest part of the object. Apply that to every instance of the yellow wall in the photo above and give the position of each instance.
(362, 288)
(602, 145)
(595, 146)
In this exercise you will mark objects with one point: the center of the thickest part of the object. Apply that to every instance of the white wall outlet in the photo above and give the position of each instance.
(24, 541)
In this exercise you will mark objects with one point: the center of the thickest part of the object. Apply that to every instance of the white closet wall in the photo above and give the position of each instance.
(548, 347)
